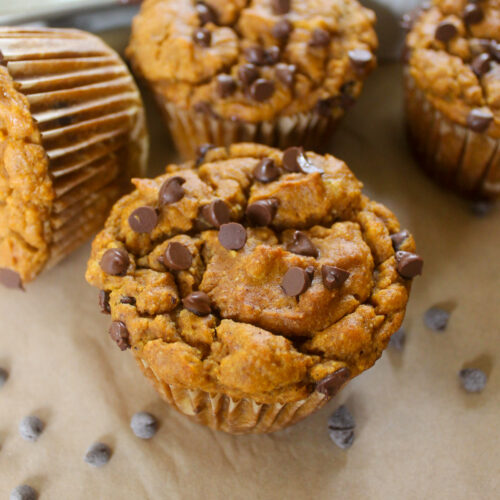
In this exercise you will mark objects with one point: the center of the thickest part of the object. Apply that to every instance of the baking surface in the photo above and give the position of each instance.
(418, 435)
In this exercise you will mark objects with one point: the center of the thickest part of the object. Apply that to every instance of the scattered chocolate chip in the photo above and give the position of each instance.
(280, 7)
(256, 55)
(115, 261)
(481, 64)
(262, 212)
(216, 213)
(262, 89)
(360, 58)
(97, 455)
(399, 238)
(319, 38)
(104, 302)
(177, 256)
(472, 379)
(23, 492)
(324, 106)
(128, 300)
(341, 427)
(282, 29)
(286, 73)
(144, 425)
(206, 14)
(266, 171)
(333, 277)
(4, 375)
(479, 120)
(201, 152)
(480, 208)
(409, 264)
(30, 428)
(248, 73)
(10, 278)
(198, 303)
(226, 86)
(398, 339)
(445, 31)
(302, 245)
(202, 37)
(473, 13)
(119, 333)
(143, 219)
(171, 191)
(436, 319)
(232, 236)
(296, 281)
(331, 384)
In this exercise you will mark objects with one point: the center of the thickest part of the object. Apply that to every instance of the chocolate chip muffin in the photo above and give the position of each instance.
(251, 289)
(279, 72)
(71, 136)
(453, 93)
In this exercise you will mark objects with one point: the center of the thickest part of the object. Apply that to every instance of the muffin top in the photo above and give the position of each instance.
(454, 57)
(254, 60)
(261, 273)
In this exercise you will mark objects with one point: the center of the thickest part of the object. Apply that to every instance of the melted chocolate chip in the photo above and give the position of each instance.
(320, 38)
(479, 120)
(481, 64)
(399, 238)
(202, 37)
(119, 333)
(282, 29)
(262, 212)
(104, 302)
(331, 384)
(177, 257)
(473, 13)
(445, 31)
(302, 245)
(232, 236)
(409, 264)
(198, 303)
(262, 89)
(247, 74)
(216, 213)
(360, 59)
(201, 151)
(226, 86)
(266, 171)
(296, 281)
(143, 219)
(126, 299)
(10, 278)
(286, 73)
(115, 262)
(333, 277)
(280, 7)
(206, 14)
(171, 191)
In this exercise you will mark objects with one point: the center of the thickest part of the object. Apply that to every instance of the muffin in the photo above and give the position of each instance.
(72, 134)
(275, 72)
(453, 93)
(251, 289)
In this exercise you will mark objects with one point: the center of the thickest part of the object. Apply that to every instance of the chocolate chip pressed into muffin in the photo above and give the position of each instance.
(251, 289)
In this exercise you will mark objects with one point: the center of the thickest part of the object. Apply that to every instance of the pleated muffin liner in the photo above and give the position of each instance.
(91, 120)
(235, 416)
(456, 156)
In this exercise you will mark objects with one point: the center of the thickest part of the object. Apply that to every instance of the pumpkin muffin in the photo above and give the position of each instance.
(453, 93)
(71, 136)
(279, 72)
(251, 289)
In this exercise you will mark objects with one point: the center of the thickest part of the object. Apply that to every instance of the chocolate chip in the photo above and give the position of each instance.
(256, 55)
(248, 73)
(262, 89)
(302, 245)
(202, 37)
(472, 379)
(341, 427)
(201, 152)
(280, 6)
(128, 300)
(399, 238)
(216, 213)
(206, 14)
(445, 31)
(409, 264)
(143, 219)
(171, 191)
(331, 384)
(177, 256)
(4, 375)
(282, 29)
(119, 333)
(324, 106)
(296, 281)
(23, 492)
(398, 339)
(310, 270)
(97, 455)
(286, 73)
(272, 55)
(10, 278)
(226, 86)
(262, 212)
(198, 303)
(479, 120)
(232, 236)
(320, 38)
(333, 277)
(295, 160)
(481, 64)
(473, 14)
(360, 58)
(266, 171)
(30, 428)
(104, 302)
(144, 425)
(436, 319)
(115, 261)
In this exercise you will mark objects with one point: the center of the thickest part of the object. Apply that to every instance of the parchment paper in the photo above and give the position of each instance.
(418, 435)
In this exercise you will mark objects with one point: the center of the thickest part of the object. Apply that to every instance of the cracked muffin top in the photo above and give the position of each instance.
(253, 60)
(261, 273)
(454, 57)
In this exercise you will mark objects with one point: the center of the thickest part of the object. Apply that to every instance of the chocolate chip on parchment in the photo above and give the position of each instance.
(119, 333)
(399, 238)
(280, 7)
(10, 278)
(479, 119)
(128, 300)
(333, 277)
(115, 261)
(282, 29)
(472, 379)
(341, 425)
(360, 58)
(436, 319)
(171, 191)
(248, 73)
(198, 303)
(201, 152)
(319, 38)
(23, 492)
(202, 37)
(331, 384)
(397, 340)
(104, 302)
(296, 281)
(262, 212)
(226, 86)
(97, 455)
(262, 89)
(473, 13)
(4, 375)
(286, 73)
(302, 245)
(143, 219)
(144, 425)
(266, 171)
(206, 14)
(445, 31)
(177, 256)
(409, 264)
(481, 64)
(216, 213)
(30, 428)
(232, 236)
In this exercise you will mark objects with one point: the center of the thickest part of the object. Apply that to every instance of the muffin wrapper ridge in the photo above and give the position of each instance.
(464, 160)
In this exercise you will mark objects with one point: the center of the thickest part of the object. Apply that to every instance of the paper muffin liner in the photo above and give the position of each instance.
(91, 120)
(456, 156)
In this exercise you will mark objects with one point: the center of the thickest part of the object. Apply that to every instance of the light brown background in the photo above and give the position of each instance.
(418, 435)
